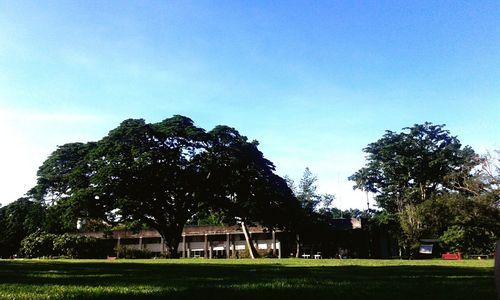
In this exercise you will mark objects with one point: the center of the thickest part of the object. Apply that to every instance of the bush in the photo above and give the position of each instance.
(75, 246)
(124, 252)
(38, 244)
(468, 240)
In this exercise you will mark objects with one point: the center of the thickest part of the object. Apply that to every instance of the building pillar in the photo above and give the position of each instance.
(210, 251)
(140, 243)
(233, 246)
(117, 246)
(274, 243)
(183, 246)
(162, 245)
(228, 250)
(205, 247)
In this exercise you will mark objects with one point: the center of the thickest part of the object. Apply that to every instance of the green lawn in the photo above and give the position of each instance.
(246, 279)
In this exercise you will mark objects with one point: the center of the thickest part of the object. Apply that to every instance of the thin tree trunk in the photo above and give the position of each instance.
(248, 239)
(297, 253)
(422, 192)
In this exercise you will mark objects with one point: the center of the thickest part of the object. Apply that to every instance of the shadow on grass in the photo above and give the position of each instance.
(104, 280)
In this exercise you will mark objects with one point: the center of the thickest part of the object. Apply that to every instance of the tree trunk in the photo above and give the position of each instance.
(172, 241)
(423, 195)
(297, 253)
(172, 250)
(248, 239)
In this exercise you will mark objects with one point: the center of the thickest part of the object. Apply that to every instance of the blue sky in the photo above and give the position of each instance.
(313, 81)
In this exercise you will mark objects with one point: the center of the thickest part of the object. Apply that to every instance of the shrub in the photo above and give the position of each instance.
(75, 246)
(124, 252)
(468, 240)
(38, 244)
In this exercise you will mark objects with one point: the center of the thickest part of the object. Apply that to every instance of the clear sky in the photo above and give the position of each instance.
(313, 81)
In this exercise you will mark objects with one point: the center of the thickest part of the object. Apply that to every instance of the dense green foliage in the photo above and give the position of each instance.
(17, 220)
(38, 244)
(243, 183)
(246, 279)
(428, 186)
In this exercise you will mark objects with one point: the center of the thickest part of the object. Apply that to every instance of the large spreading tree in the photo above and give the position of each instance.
(152, 173)
(162, 174)
(407, 171)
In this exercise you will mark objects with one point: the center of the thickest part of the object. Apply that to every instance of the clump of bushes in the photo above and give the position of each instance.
(38, 244)
(42, 244)
(469, 240)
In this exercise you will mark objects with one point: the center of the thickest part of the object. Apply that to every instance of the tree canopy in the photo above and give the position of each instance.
(243, 182)
(409, 167)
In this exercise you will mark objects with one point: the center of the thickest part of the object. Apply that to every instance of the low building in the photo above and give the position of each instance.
(216, 241)
(203, 241)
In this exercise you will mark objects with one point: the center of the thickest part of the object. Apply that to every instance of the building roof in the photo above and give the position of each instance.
(187, 231)
(191, 230)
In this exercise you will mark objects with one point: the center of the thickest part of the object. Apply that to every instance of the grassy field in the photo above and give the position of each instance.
(246, 279)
